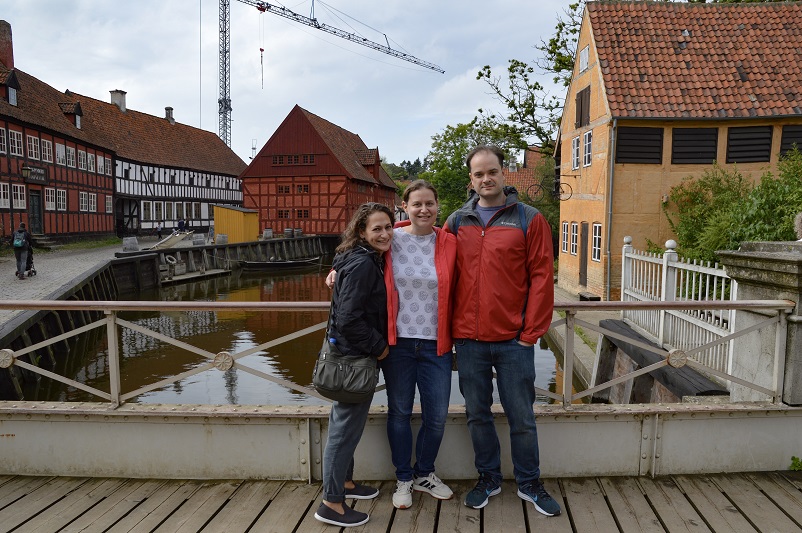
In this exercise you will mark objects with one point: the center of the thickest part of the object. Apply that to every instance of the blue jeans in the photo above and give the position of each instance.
(411, 362)
(515, 377)
(346, 424)
(22, 260)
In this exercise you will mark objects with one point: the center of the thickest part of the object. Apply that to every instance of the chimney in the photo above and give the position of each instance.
(6, 45)
(168, 114)
(118, 99)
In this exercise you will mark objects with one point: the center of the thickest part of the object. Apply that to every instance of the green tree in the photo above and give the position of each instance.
(396, 172)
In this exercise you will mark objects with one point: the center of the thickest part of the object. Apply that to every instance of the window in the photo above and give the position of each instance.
(157, 211)
(108, 166)
(3, 147)
(47, 151)
(78, 121)
(50, 199)
(83, 201)
(197, 207)
(565, 238)
(283, 189)
(18, 196)
(71, 156)
(109, 204)
(574, 237)
(278, 159)
(12, 96)
(588, 144)
(61, 158)
(168, 211)
(302, 213)
(693, 145)
(146, 207)
(749, 144)
(5, 195)
(61, 199)
(303, 188)
(92, 202)
(792, 135)
(100, 164)
(179, 210)
(309, 159)
(90, 162)
(575, 153)
(33, 147)
(81, 160)
(595, 253)
(583, 107)
(15, 142)
(584, 54)
(284, 213)
(639, 145)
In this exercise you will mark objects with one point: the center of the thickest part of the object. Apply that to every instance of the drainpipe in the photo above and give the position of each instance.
(610, 208)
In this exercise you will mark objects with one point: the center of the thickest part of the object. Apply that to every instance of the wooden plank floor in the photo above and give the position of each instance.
(749, 502)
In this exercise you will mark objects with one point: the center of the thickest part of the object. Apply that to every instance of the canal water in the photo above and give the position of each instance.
(145, 360)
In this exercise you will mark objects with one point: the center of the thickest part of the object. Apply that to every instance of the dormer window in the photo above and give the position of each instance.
(12, 96)
(78, 121)
(584, 56)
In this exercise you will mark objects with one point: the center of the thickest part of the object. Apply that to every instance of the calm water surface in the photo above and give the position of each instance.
(146, 360)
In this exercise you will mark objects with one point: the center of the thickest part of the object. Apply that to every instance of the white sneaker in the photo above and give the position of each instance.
(402, 498)
(433, 486)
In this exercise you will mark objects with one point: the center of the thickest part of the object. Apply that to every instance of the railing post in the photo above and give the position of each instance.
(568, 358)
(779, 356)
(626, 269)
(668, 287)
(114, 357)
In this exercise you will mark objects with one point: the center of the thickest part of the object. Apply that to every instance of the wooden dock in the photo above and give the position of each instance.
(748, 502)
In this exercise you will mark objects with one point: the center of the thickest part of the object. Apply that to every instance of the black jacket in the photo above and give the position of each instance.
(359, 322)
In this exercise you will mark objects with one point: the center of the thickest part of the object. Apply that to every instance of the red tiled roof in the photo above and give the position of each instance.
(522, 178)
(680, 60)
(71, 108)
(349, 149)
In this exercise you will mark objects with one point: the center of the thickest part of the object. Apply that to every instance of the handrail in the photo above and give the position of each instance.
(776, 309)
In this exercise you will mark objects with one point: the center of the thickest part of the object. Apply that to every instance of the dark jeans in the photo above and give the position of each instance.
(21, 255)
(346, 424)
(515, 377)
(415, 362)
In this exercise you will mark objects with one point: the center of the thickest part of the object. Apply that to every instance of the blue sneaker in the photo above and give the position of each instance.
(481, 493)
(535, 492)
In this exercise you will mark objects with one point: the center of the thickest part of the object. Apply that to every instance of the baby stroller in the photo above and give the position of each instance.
(30, 270)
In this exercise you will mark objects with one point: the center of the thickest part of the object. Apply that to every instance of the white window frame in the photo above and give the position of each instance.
(564, 247)
(15, 142)
(108, 166)
(5, 195)
(90, 162)
(61, 199)
(18, 196)
(83, 201)
(47, 151)
(109, 204)
(158, 211)
(71, 156)
(100, 164)
(50, 199)
(81, 160)
(61, 154)
(595, 254)
(33, 147)
(574, 237)
(92, 202)
(12, 96)
(78, 121)
(3, 144)
(147, 208)
(584, 57)
(575, 153)
(587, 147)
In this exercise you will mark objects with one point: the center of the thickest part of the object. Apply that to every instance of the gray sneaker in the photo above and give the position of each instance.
(349, 518)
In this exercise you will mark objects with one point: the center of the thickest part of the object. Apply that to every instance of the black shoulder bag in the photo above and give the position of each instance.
(344, 378)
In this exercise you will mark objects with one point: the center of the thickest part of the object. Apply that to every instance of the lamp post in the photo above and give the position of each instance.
(26, 172)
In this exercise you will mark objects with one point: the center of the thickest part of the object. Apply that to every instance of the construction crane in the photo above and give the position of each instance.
(224, 102)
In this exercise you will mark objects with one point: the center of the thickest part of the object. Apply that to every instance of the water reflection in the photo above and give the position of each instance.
(147, 360)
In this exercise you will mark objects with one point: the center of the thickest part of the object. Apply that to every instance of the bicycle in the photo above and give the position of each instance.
(537, 191)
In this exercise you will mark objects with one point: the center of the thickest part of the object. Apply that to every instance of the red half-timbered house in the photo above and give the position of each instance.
(312, 175)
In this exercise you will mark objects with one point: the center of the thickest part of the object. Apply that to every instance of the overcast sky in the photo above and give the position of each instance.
(165, 53)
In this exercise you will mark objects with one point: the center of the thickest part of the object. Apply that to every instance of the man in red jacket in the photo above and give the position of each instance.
(503, 304)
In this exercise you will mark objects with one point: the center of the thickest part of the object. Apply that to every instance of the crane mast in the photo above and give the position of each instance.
(224, 101)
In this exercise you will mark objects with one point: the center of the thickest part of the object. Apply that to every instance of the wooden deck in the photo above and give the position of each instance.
(764, 502)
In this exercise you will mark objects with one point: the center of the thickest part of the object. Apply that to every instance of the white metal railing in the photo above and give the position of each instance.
(650, 277)
(774, 310)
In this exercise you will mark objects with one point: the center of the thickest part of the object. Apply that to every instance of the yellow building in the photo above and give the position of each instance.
(240, 224)
(660, 91)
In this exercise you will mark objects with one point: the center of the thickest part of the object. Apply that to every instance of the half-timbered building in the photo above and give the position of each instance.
(312, 175)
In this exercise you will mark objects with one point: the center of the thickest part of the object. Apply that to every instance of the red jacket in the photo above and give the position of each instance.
(445, 254)
(505, 279)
